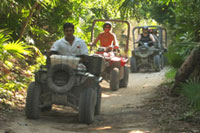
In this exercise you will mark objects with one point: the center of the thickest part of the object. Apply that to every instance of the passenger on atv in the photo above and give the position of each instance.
(107, 39)
(145, 37)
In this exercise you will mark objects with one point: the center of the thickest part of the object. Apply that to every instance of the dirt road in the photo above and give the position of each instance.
(120, 111)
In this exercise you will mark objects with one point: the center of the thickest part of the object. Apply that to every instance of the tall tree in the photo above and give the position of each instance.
(28, 19)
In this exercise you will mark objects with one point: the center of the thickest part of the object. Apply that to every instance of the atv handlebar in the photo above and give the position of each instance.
(149, 43)
(109, 49)
(104, 49)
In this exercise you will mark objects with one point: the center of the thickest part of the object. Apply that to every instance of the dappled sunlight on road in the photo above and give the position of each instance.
(138, 131)
(103, 128)
(109, 95)
(147, 85)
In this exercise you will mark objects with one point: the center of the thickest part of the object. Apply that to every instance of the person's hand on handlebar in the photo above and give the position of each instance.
(110, 48)
(115, 47)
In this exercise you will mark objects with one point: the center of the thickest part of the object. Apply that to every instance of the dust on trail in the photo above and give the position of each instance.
(119, 111)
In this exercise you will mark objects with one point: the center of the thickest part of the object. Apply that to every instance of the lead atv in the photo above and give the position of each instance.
(67, 82)
(116, 70)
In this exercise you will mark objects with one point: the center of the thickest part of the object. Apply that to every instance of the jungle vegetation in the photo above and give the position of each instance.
(28, 29)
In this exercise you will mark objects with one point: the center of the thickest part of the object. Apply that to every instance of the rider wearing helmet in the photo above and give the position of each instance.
(107, 39)
(145, 36)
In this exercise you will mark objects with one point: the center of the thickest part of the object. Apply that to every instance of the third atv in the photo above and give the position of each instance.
(149, 55)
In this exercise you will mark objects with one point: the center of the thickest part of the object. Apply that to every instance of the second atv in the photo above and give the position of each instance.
(116, 71)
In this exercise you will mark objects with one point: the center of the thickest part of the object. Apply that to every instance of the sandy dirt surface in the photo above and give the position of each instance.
(120, 111)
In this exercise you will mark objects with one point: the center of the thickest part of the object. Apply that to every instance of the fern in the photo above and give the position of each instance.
(191, 89)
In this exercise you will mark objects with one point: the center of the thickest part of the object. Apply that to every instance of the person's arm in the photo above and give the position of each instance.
(152, 38)
(115, 42)
(53, 52)
(96, 40)
(138, 39)
(83, 47)
(54, 48)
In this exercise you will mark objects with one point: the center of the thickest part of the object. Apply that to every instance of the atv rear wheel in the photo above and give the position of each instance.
(87, 105)
(124, 81)
(114, 79)
(32, 108)
(98, 103)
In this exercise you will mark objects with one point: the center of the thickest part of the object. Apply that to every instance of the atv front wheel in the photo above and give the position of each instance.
(124, 81)
(162, 61)
(98, 103)
(32, 108)
(114, 79)
(133, 65)
(87, 105)
(157, 63)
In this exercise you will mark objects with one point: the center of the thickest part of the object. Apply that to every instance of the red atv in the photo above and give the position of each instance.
(115, 70)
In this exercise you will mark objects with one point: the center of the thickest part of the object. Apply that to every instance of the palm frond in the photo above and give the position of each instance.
(191, 89)
(52, 3)
(3, 38)
(17, 49)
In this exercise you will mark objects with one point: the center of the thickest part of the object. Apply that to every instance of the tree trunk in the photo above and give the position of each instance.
(190, 65)
(28, 19)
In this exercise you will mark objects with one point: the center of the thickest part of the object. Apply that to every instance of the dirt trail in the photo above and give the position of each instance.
(119, 112)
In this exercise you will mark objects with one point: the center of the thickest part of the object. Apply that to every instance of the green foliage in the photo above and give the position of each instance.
(187, 18)
(15, 49)
(45, 26)
(19, 60)
(181, 17)
(15, 70)
(162, 13)
(191, 89)
(174, 57)
(171, 73)
(178, 52)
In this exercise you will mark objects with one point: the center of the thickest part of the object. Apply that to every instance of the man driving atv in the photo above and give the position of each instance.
(69, 45)
(146, 36)
(107, 39)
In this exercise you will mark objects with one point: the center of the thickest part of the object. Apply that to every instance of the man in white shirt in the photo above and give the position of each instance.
(69, 45)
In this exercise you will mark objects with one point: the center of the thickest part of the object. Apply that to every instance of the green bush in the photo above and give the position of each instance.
(174, 57)
(178, 52)
(171, 73)
(191, 89)
(16, 71)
